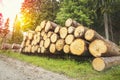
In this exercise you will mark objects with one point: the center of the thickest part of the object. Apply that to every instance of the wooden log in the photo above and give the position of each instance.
(79, 31)
(39, 50)
(29, 49)
(41, 43)
(43, 50)
(59, 44)
(71, 29)
(70, 22)
(57, 29)
(63, 32)
(78, 47)
(50, 26)
(38, 28)
(69, 39)
(30, 34)
(47, 43)
(6, 46)
(16, 46)
(103, 48)
(45, 36)
(54, 37)
(52, 48)
(66, 48)
(49, 34)
(103, 63)
(42, 33)
(27, 42)
(91, 35)
(43, 24)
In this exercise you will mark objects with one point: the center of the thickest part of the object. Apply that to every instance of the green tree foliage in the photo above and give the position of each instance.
(48, 10)
(78, 10)
(34, 11)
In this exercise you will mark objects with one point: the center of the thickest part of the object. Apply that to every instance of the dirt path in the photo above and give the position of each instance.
(12, 69)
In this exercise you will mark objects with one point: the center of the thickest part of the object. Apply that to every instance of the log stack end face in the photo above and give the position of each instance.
(89, 35)
(77, 47)
(98, 64)
(97, 48)
(68, 22)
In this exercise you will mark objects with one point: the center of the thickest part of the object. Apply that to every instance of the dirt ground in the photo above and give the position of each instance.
(12, 69)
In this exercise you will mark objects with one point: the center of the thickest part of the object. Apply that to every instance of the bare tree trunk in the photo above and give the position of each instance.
(105, 16)
(111, 29)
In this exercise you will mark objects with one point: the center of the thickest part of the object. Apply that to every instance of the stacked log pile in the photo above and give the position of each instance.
(75, 39)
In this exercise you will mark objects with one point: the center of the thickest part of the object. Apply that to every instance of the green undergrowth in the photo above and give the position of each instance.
(78, 69)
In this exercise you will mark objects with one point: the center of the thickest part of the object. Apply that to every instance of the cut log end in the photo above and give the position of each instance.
(77, 47)
(66, 48)
(79, 31)
(97, 48)
(63, 32)
(52, 48)
(68, 22)
(89, 34)
(54, 37)
(98, 64)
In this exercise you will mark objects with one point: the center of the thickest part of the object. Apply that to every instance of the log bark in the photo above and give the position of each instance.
(80, 31)
(103, 63)
(59, 44)
(70, 22)
(69, 39)
(78, 47)
(63, 32)
(103, 48)
(52, 48)
(50, 26)
(47, 43)
(54, 37)
(66, 48)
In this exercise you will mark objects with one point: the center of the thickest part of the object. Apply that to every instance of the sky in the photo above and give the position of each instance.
(9, 9)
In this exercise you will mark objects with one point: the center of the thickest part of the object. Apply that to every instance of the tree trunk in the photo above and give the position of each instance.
(103, 63)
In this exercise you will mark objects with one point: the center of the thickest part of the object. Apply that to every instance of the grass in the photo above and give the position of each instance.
(81, 70)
